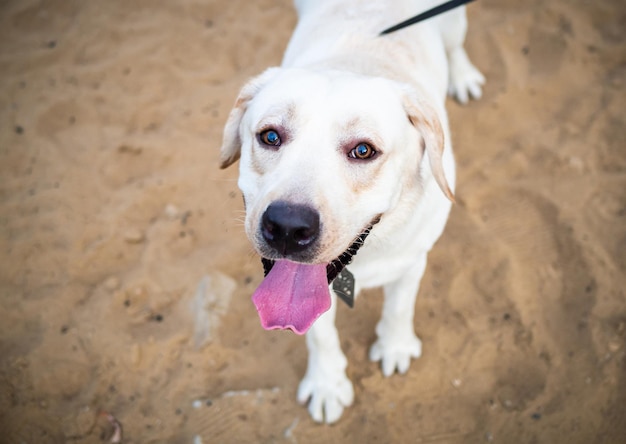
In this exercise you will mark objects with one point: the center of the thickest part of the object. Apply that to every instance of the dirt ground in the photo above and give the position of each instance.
(125, 275)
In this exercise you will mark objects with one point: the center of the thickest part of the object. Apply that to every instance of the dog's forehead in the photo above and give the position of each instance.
(339, 96)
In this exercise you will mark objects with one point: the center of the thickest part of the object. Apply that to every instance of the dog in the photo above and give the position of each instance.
(346, 147)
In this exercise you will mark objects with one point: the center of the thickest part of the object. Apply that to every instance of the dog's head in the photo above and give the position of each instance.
(323, 155)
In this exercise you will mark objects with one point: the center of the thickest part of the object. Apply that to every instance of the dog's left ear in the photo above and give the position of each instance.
(231, 143)
(424, 118)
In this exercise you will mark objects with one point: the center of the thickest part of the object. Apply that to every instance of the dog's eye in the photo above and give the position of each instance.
(270, 137)
(362, 151)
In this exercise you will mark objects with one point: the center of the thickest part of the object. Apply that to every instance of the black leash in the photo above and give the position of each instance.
(426, 15)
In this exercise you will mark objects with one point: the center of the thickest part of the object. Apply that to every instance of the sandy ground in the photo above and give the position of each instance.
(125, 276)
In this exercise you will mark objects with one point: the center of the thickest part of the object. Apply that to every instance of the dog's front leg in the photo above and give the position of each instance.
(397, 342)
(325, 382)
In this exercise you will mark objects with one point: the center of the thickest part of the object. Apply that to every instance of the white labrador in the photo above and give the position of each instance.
(348, 136)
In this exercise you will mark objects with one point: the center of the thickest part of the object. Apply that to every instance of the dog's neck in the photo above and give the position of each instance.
(373, 57)
(365, 65)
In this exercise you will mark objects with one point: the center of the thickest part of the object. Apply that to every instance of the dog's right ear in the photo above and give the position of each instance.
(231, 143)
(425, 120)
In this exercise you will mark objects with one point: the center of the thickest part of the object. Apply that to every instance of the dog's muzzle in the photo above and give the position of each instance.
(337, 265)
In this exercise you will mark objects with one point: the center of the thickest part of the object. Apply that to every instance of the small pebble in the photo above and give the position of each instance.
(133, 236)
(112, 283)
(196, 404)
(614, 346)
(19, 129)
(171, 211)
(536, 416)
(129, 149)
(456, 383)
(507, 398)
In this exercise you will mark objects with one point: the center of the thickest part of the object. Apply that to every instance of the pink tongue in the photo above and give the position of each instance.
(292, 296)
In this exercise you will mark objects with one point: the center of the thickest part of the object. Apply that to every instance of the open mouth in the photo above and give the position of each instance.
(293, 295)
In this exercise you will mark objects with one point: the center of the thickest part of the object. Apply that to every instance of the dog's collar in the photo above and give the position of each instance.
(444, 7)
(336, 273)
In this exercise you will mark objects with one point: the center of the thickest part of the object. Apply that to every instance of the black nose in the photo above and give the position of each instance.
(290, 228)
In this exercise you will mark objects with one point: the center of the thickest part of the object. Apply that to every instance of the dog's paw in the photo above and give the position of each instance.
(465, 79)
(328, 395)
(396, 353)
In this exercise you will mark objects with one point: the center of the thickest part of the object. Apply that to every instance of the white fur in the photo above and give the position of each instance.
(340, 83)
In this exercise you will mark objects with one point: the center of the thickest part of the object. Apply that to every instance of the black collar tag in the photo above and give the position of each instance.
(343, 285)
